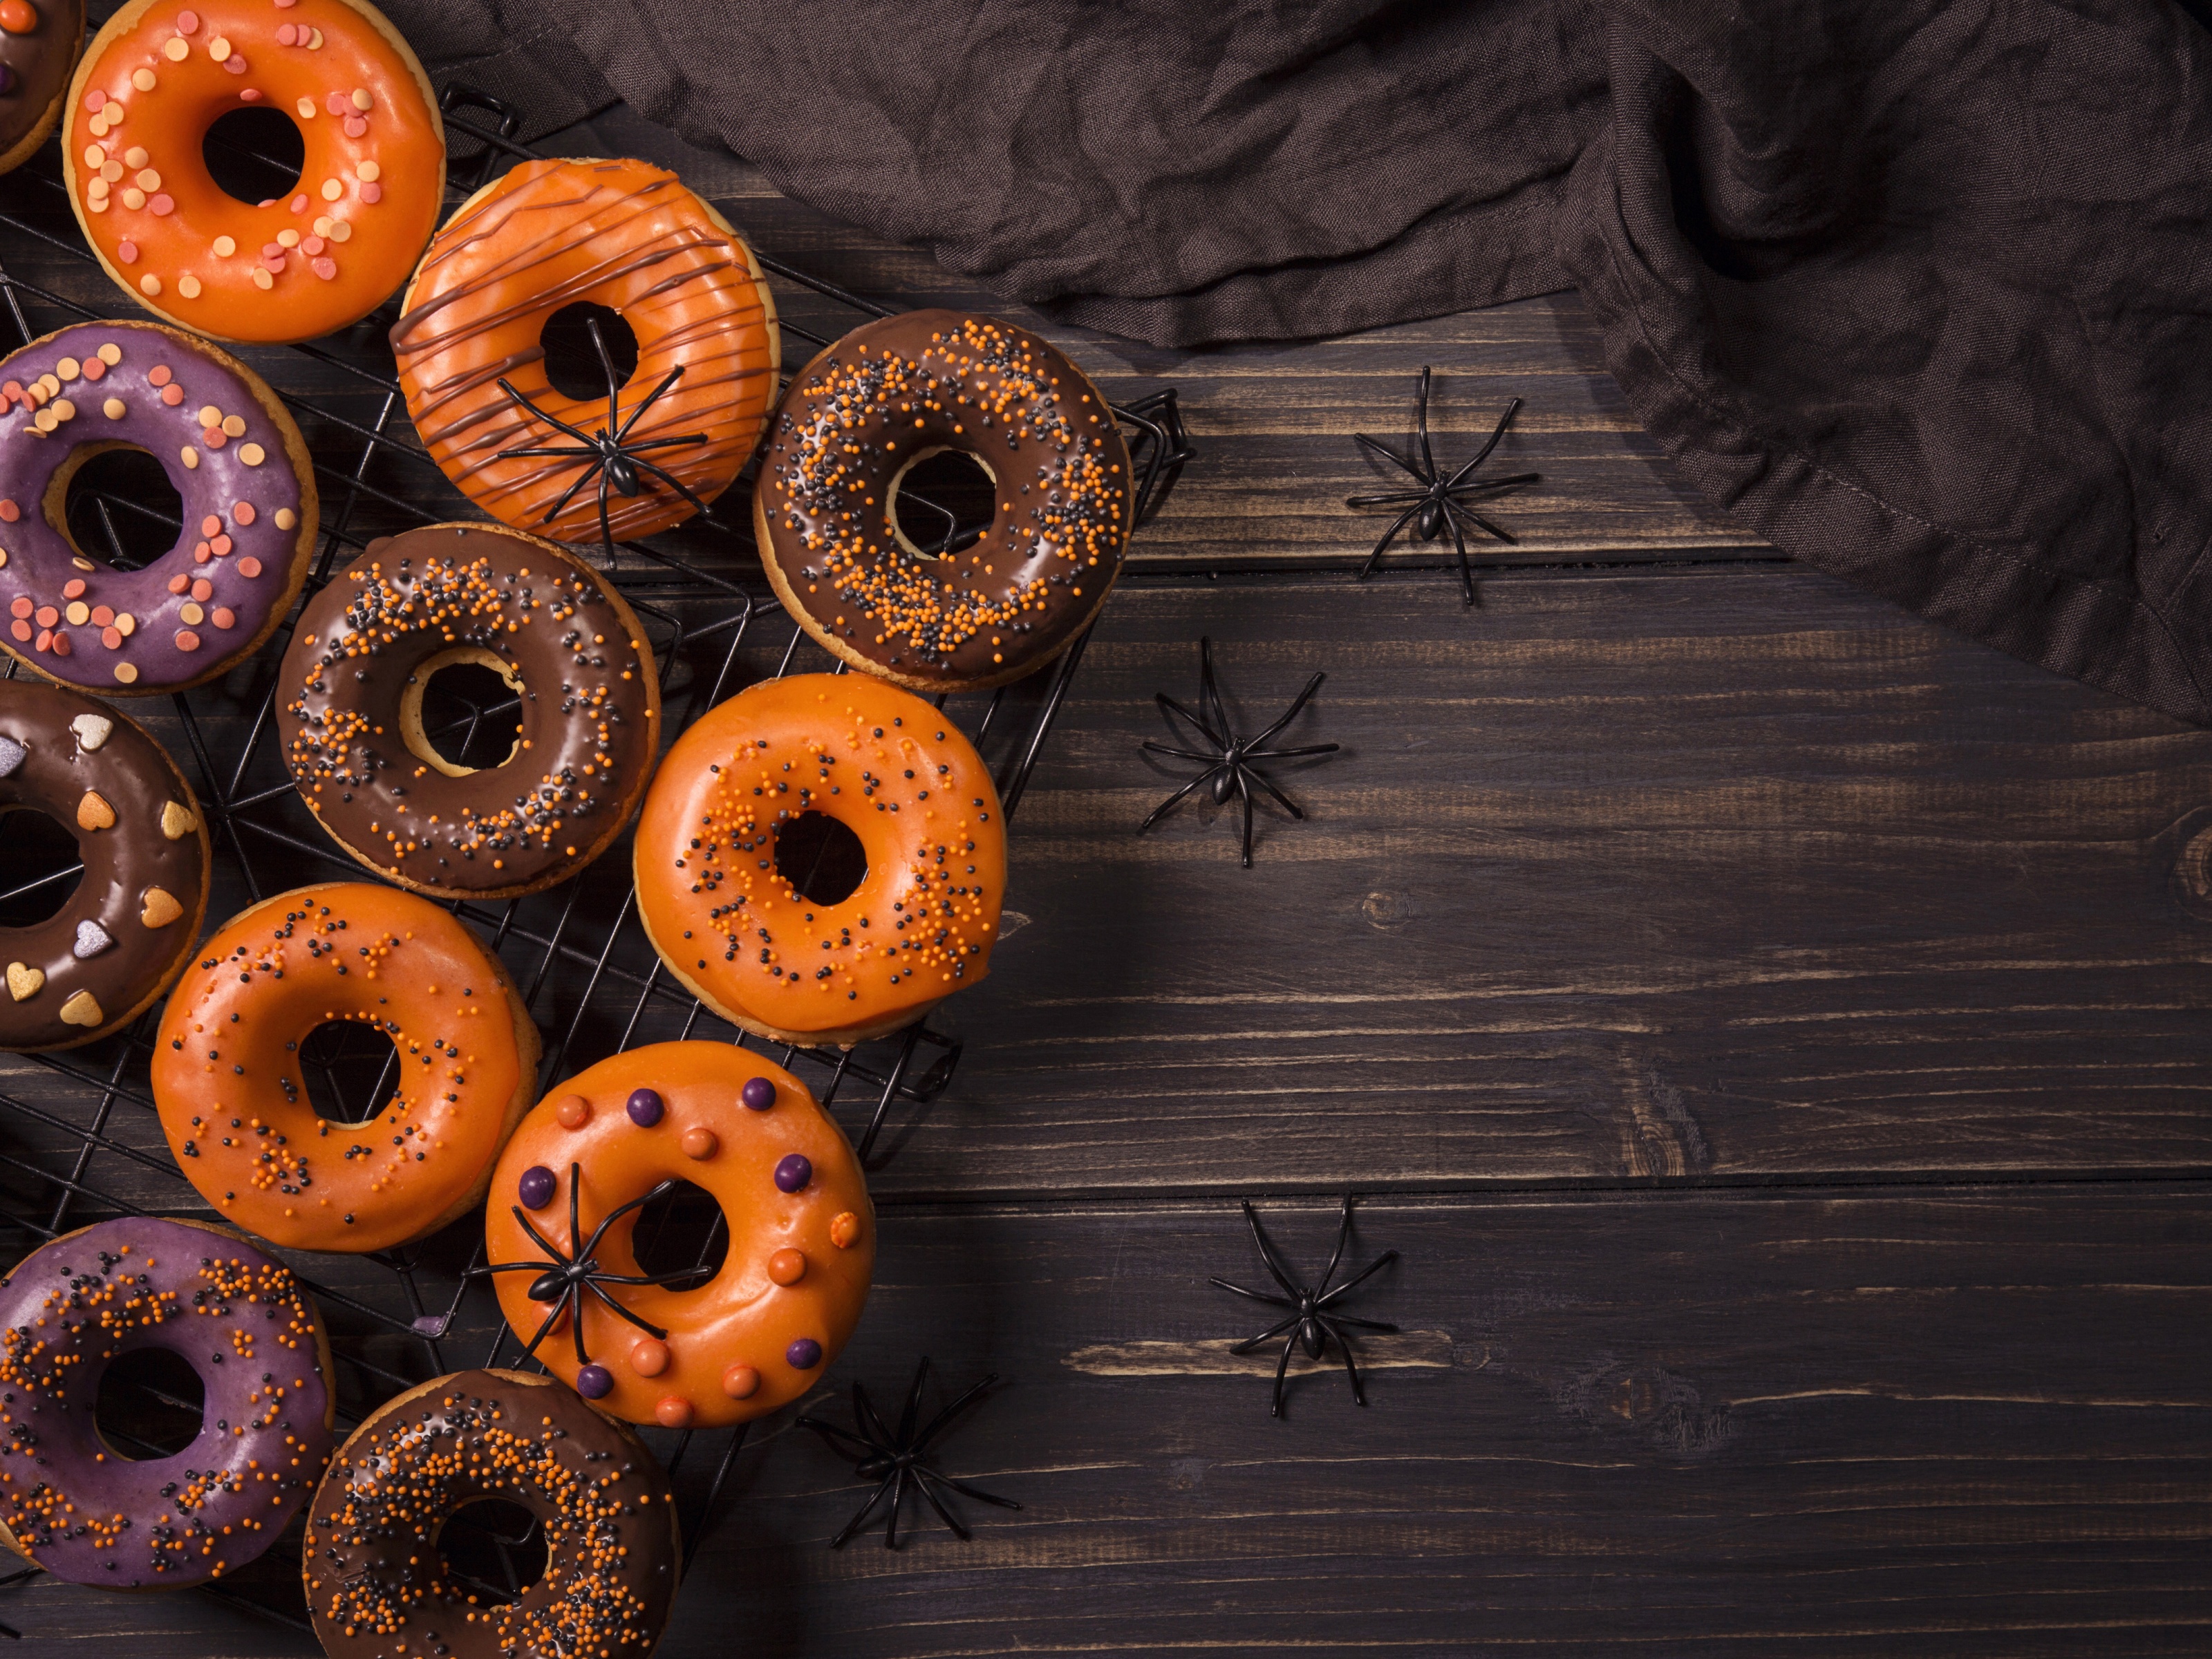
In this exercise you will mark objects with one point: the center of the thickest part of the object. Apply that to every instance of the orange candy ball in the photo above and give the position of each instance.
(649, 1357)
(572, 1111)
(18, 16)
(845, 1229)
(700, 1144)
(674, 1412)
(787, 1267)
(740, 1382)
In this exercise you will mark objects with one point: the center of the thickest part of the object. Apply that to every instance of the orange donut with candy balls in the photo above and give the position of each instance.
(304, 262)
(802, 1235)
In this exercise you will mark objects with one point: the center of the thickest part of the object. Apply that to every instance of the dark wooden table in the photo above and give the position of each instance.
(1772, 1030)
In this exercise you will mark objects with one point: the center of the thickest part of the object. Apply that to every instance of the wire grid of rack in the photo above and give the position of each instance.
(577, 952)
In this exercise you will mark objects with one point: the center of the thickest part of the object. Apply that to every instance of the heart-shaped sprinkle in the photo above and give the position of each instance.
(82, 1009)
(11, 756)
(93, 812)
(177, 821)
(91, 730)
(161, 907)
(24, 980)
(91, 939)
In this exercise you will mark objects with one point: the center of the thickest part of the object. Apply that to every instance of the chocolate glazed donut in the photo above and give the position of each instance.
(373, 1567)
(39, 42)
(128, 928)
(892, 393)
(361, 657)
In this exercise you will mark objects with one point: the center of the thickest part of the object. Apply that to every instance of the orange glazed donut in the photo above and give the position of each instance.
(564, 1204)
(731, 926)
(226, 1068)
(622, 235)
(160, 73)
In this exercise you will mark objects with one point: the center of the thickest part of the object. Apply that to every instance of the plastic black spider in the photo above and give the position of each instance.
(894, 1460)
(1230, 762)
(1311, 1324)
(1441, 501)
(608, 454)
(563, 1279)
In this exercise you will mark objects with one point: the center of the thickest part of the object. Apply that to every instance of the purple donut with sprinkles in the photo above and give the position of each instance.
(93, 1510)
(236, 458)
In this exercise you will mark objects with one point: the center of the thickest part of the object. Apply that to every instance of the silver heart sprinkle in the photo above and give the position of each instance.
(91, 939)
(11, 756)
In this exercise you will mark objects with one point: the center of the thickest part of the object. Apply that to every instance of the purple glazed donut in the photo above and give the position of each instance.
(69, 1500)
(236, 459)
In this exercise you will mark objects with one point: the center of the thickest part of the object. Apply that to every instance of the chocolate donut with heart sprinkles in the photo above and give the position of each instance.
(126, 929)
(859, 417)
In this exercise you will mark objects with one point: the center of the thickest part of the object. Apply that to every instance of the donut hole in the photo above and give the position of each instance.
(150, 1405)
(942, 501)
(572, 361)
(461, 711)
(822, 858)
(497, 1549)
(255, 154)
(44, 866)
(682, 1228)
(119, 506)
(349, 1071)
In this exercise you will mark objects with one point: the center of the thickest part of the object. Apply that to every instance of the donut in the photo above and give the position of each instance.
(802, 1237)
(736, 931)
(372, 1569)
(39, 40)
(890, 394)
(159, 73)
(128, 928)
(226, 1068)
(237, 461)
(622, 235)
(86, 1511)
(351, 722)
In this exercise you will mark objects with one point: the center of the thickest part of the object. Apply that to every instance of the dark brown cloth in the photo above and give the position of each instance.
(1920, 291)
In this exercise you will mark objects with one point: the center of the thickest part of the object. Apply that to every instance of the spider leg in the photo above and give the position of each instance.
(559, 1308)
(1209, 695)
(576, 1324)
(1366, 1273)
(898, 1498)
(606, 362)
(1272, 1301)
(860, 1520)
(1395, 459)
(1284, 800)
(1421, 421)
(1289, 714)
(943, 1514)
(963, 1486)
(913, 1408)
(1250, 1343)
(1512, 408)
(1364, 1324)
(618, 1309)
(666, 443)
(593, 468)
(1282, 1368)
(560, 449)
(1180, 754)
(938, 1422)
(1154, 815)
(1454, 510)
(508, 1267)
(864, 1413)
(1343, 1234)
(1352, 1365)
(1244, 793)
(1204, 729)
(831, 1434)
(556, 1257)
(615, 1214)
(668, 478)
(553, 421)
(606, 530)
(1276, 1265)
(1389, 535)
(647, 401)
(1458, 543)
(1486, 486)
(1391, 500)
(1292, 754)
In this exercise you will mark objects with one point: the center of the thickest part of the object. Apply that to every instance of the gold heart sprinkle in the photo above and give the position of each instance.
(93, 812)
(161, 907)
(24, 980)
(82, 1009)
(177, 821)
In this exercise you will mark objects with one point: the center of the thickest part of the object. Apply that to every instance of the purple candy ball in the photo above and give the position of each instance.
(535, 1186)
(758, 1094)
(794, 1173)
(644, 1108)
(803, 1354)
(595, 1381)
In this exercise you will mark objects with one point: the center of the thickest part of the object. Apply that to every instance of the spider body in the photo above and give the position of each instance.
(1230, 762)
(564, 1279)
(1313, 1324)
(895, 1460)
(1443, 500)
(608, 454)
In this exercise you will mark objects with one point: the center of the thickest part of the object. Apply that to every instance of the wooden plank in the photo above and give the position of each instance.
(1835, 1424)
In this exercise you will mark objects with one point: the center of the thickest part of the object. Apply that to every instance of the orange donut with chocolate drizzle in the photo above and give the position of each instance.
(721, 888)
(226, 1067)
(322, 256)
(622, 235)
(686, 1347)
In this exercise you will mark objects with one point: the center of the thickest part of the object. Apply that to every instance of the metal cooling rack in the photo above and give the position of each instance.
(90, 1145)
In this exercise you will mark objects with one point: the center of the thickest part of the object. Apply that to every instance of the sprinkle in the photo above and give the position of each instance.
(219, 48)
(91, 939)
(127, 252)
(186, 640)
(188, 22)
(286, 518)
(243, 512)
(125, 673)
(234, 425)
(355, 127)
(372, 193)
(210, 415)
(173, 395)
(368, 172)
(189, 456)
(134, 198)
(286, 238)
(223, 616)
(161, 207)
(252, 455)
(333, 188)
(9, 511)
(68, 368)
(92, 730)
(325, 267)
(189, 286)
(261, 279)
(235, 64)
(306, 108)
(249, 566)
(224, 248)
(143, 79)
(176, 51)
(286, 34)
(114, 409)
(361, 100)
